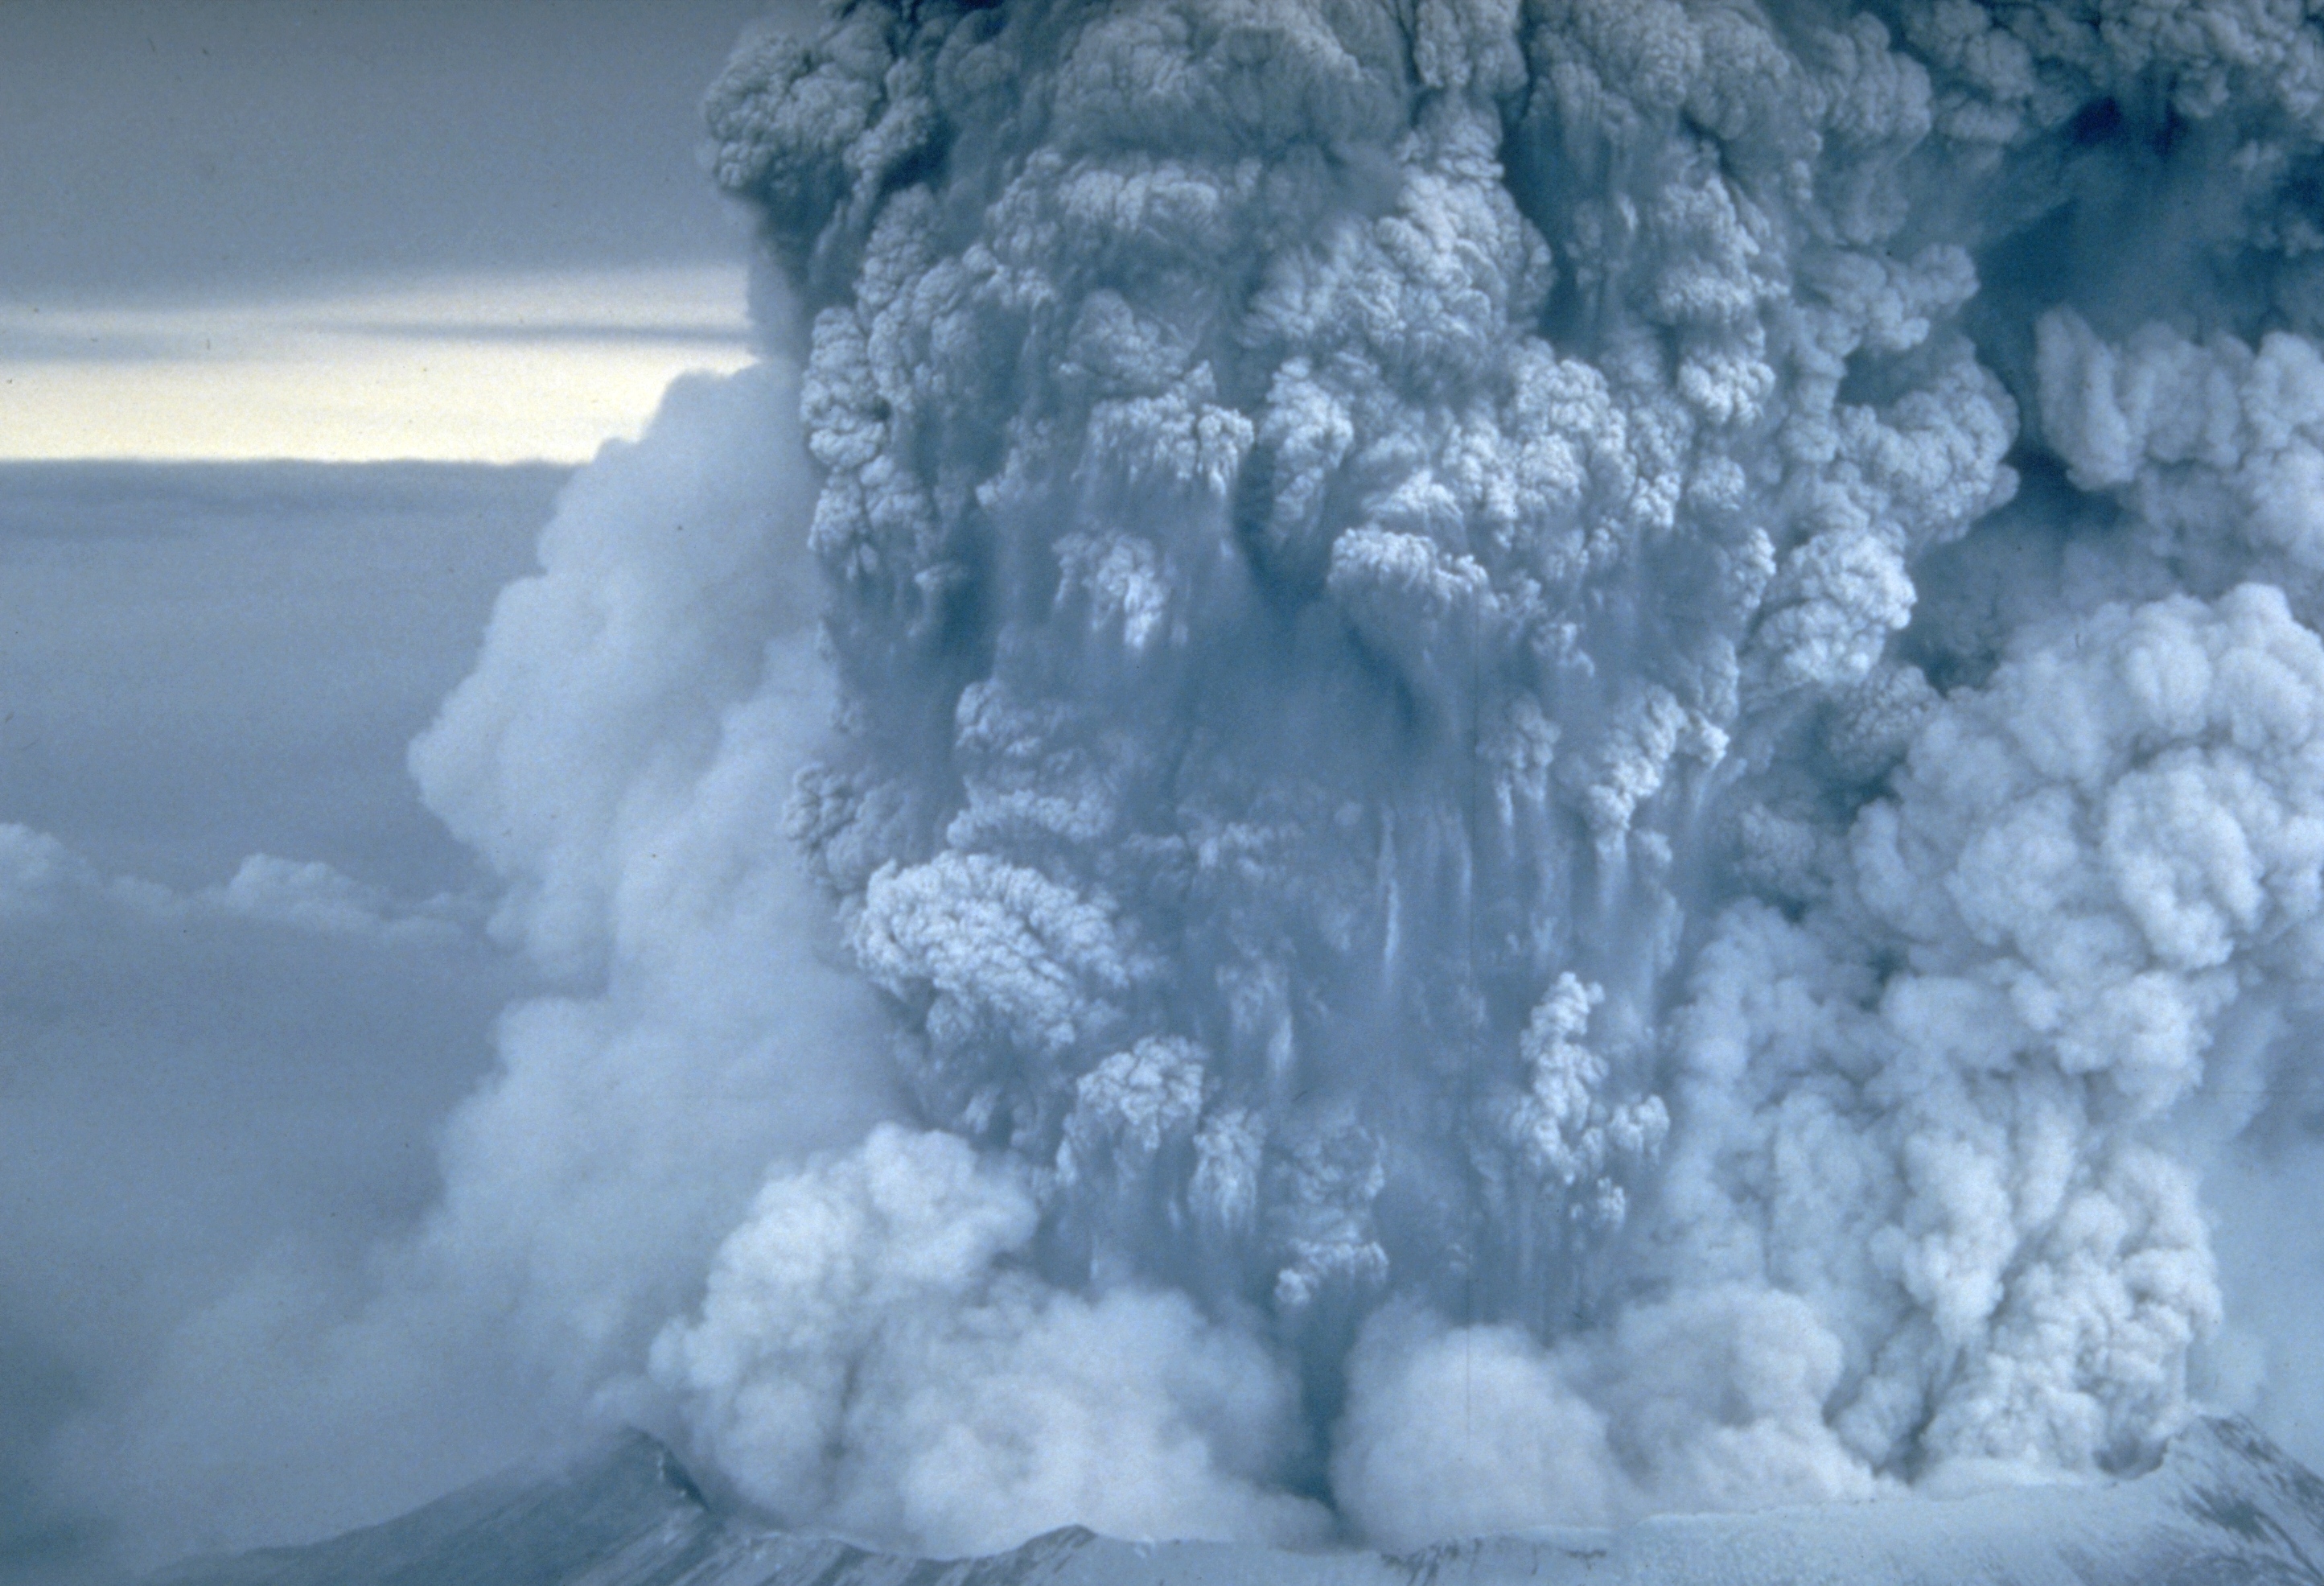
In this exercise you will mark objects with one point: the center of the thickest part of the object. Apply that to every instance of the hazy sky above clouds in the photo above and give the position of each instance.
(201, 149)
(338, 231)
(243, 974)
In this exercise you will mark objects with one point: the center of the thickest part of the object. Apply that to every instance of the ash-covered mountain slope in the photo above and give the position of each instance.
(629, 1514)
(2226, 1507)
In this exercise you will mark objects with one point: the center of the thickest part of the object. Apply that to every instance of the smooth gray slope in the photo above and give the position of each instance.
(2226, 1507)
(629, 1515)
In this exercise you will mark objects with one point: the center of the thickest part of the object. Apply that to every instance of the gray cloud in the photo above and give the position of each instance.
(705, 334)
(249, 146)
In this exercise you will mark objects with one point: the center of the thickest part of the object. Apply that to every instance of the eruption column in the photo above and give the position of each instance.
(1566, 732)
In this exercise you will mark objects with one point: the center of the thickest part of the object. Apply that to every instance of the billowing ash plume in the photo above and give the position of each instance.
(1581, 749)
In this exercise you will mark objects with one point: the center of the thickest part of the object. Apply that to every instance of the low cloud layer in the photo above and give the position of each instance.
(211, 1054)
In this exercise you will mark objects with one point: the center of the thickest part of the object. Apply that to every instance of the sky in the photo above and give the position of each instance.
(244, 975)
(331, 231)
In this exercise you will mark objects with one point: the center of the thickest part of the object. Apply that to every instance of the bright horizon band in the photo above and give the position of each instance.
(508, 367)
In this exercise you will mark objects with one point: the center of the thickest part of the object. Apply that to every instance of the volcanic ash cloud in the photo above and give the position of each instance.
(1578, 755)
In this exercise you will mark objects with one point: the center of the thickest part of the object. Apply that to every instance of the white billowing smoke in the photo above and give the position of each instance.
(621, 753)
(1578, 751)
(873, 1353)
